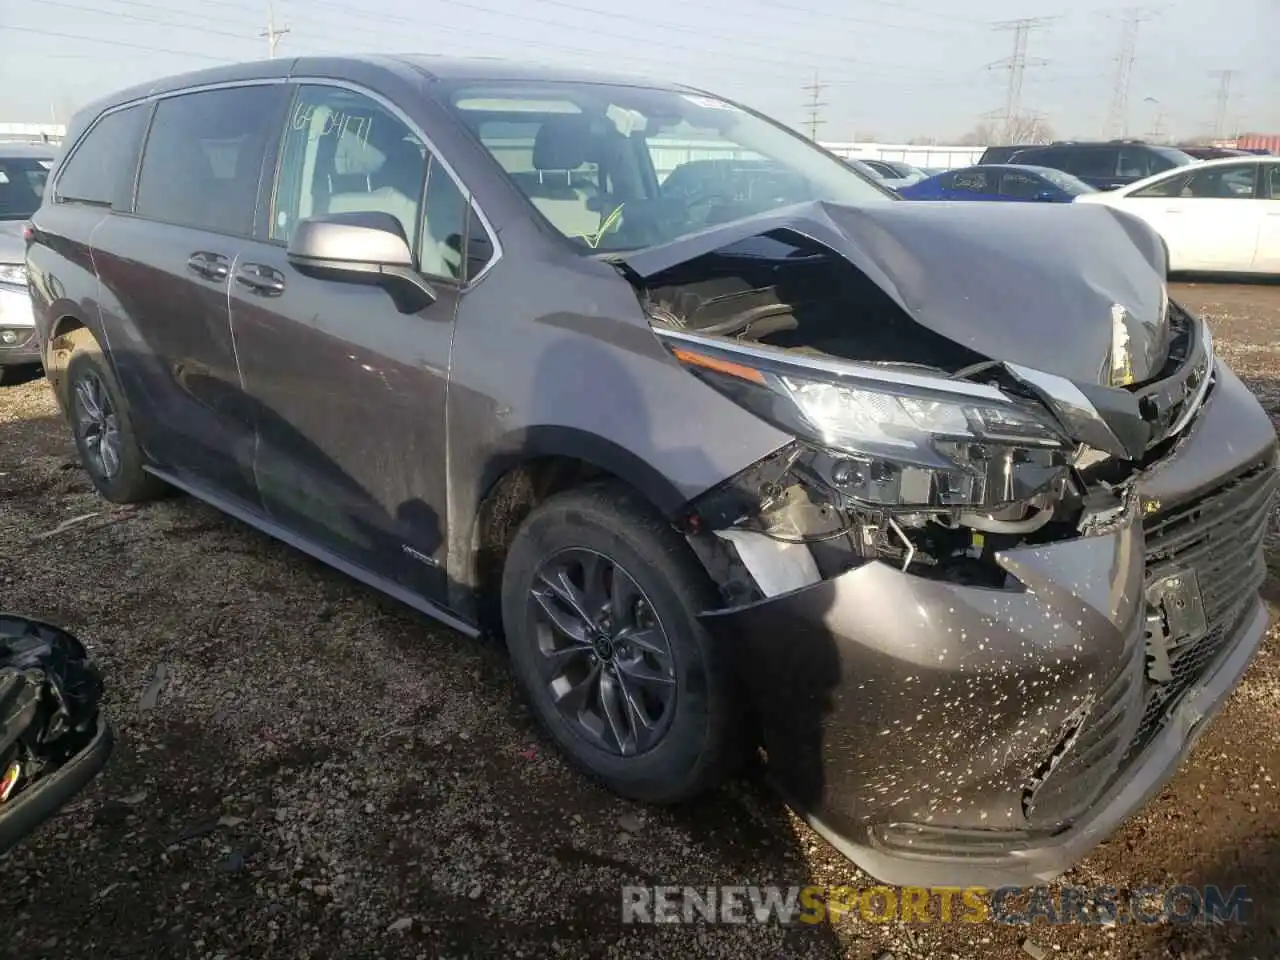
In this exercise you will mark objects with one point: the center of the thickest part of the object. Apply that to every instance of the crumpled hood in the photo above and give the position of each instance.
(1048, 286)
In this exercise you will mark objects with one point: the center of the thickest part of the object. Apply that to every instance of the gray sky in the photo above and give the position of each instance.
(892, 69)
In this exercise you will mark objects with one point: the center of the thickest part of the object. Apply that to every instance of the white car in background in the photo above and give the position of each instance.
(1218, 216)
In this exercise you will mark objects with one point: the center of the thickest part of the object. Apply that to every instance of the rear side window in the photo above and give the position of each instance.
(1094, 162)
(973, 181)
(203, 158)
(101, 169)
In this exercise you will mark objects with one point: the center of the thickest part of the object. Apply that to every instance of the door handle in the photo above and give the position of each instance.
(1172, 210)
(261, 279)
(211, 266)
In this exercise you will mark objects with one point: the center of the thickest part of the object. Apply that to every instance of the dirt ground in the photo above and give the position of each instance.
(326, 774)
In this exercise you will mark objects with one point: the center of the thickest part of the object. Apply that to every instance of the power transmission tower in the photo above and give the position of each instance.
(1157, 125)
(1016, 66)
(1118, 114)
(814, 107)
(272, 33)
(1224, 101)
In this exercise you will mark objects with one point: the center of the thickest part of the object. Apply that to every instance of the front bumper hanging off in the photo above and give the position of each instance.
(945, 734)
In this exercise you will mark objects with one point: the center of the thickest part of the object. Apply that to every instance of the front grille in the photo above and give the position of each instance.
(1219, 536)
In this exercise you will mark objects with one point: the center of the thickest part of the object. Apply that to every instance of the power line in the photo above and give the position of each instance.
(698, 49)
(1016, 66)
(121, 43)
(1118, 112)
(137, 18)
(814, 107)
(272, 32)
(1224, 101)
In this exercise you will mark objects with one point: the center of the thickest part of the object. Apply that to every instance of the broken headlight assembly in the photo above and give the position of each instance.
(914, 467)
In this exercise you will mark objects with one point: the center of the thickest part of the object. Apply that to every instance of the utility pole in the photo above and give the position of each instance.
(1224, 101)
(1016, 66)
(814, 106)
(1118, 114)
(272, 33)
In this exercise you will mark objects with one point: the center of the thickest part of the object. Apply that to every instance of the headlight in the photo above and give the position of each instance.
(14, 274)
(893, 440)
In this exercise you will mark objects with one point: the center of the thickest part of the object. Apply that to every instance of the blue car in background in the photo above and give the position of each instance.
(999, 181)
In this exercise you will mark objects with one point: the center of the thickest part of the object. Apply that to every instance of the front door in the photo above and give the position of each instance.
(348, 393)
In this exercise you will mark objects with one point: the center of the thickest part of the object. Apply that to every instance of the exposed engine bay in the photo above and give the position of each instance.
(911, 447)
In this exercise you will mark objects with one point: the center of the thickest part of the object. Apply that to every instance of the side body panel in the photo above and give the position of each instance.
(581, 376)
(172, 347)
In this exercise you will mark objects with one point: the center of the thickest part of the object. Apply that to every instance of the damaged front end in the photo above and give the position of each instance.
(53, 739)
(982, 608)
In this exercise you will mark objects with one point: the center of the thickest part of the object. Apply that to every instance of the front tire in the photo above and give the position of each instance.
(600, 599)
(104, 434)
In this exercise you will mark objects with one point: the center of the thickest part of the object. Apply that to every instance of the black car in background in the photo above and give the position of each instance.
(731, 454)
(1001, 154)
(1213, 153)
(1106, 166)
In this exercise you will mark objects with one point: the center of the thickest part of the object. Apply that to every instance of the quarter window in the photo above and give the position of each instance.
(103, 166)
(203, 158)
(1274, 181)
(444, 228)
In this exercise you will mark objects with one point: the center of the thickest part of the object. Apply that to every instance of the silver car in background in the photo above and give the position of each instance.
(24, 168)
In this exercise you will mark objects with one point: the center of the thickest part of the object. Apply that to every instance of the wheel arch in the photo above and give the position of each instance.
(70, 331)
(532, 466)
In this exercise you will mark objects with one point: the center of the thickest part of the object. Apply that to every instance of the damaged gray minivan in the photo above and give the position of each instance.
(949, 508)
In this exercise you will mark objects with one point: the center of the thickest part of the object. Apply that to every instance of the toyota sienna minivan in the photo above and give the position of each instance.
(948, 509)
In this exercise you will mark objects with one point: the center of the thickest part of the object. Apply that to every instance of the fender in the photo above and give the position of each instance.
(521, 446)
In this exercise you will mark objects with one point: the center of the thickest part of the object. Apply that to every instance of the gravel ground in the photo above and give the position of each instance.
(308, 770)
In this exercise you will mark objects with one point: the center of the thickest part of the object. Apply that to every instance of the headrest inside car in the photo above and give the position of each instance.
(564, 143)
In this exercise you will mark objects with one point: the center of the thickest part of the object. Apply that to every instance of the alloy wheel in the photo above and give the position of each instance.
(97, 425)
(604, 655)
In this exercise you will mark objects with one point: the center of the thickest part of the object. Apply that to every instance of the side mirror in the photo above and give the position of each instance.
(361, 247)
(1046, 196)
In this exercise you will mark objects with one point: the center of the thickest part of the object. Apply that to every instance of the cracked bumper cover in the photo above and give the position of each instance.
(944, 734)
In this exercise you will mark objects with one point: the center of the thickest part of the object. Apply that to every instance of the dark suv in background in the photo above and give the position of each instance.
(1106, 166)
(756, 452)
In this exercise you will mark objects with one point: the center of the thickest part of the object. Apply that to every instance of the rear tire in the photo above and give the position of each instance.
(672, 695)
(104, 434)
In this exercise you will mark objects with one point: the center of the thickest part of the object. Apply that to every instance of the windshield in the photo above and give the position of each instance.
(1065, 181)
(21, 185)
(618, 168)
